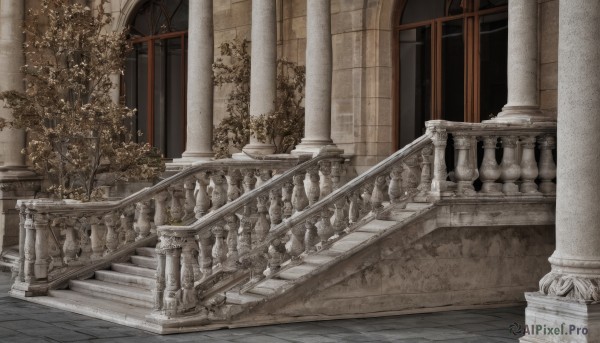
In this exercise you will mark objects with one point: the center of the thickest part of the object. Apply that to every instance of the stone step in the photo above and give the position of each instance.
(146, 251)
(376, 226)
(268, 287)
(101, 308)
(297, 272)
(417, 206)
(317, 259)
(132, 269)
(234, 297)
(125, 279)
(350, 241)
(126, 294)
(144, 261)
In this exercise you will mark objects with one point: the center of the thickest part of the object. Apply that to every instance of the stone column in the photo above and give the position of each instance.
(16, 180)
(522, 103)
(198, 145)
(317, 124)
(263, 72)
(568, 291)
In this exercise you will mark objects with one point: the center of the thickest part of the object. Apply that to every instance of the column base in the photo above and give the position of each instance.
(553, 319)
(520, 115)
(254, 149)
(312, 146)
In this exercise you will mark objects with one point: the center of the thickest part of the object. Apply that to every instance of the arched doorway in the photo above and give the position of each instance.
(449, 62)
(156, 71)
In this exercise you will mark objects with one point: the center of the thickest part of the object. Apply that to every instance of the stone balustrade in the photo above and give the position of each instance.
(307, 209)
(60, 238)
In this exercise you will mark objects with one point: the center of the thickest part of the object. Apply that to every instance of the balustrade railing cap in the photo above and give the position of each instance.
(490, 128)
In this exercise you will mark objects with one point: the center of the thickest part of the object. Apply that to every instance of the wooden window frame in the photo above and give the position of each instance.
(471, 17)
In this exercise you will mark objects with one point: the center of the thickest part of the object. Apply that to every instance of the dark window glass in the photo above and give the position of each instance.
(453, 70)
(160, 16)
(415, 82)
(421, 10)
(485, 4)
(454, 7)
(493, 50)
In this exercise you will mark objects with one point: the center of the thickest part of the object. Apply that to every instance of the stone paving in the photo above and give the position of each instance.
(22, 321)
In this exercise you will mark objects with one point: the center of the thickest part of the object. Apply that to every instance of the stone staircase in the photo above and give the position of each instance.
(253, 249)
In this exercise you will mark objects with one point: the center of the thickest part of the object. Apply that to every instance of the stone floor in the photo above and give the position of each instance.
(22, 321)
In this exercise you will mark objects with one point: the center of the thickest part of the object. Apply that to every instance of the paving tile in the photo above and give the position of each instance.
(24, 324)
(57, 334)
(260, 339)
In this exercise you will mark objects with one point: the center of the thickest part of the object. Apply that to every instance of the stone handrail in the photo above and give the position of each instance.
(57, 237)
(264, 242)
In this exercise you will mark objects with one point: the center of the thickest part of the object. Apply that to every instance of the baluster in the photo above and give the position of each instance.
(219, 192)
(112, 238)
(489, 171)
(176, 207)
(288, 208)
(245, 238)
(172, 276)
(143, 221)
(299, 198)
(70, 246)
(367, 189)
(258, 264)
(510, 170)
(189, 298)
(377, 195)
(202, 200)
(96, 237)
(219, 250)
(324, 229)
(529, 168)
(249, 180)
(336, 174)
(340, 219)
(262, 226)
(127, 224)
(311, 237)
(40, 268)
(395, 188)
(326, 186)
(232, 225)
(54, 248)
(22, 237)
(276, 253)
(205, 241)
(29, 247)
(439, 138)
(295, 246)
(547, 167)
(234, 191)
(159, 287)
(190, 201)
(264, 175)
(160, 208)
(84, 241)
(313, 190)
(412, 174)
(464, 173)
(275, 210)
(354, 207)
(425, 184)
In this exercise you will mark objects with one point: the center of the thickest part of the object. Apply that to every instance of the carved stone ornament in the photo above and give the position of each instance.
(573, 287)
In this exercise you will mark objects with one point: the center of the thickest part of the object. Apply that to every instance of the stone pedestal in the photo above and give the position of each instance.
(10, 192)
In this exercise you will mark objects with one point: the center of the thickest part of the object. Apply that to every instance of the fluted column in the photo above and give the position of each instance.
(317, 123)
(11, 60)
(522, 104)
(198, 145)
(263, 68)
(573, 284)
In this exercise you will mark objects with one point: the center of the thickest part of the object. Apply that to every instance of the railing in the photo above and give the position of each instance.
(279, 223)
(58, 237)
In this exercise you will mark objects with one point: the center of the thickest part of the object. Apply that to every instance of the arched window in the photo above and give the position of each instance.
(450, 62)
(155, 73)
